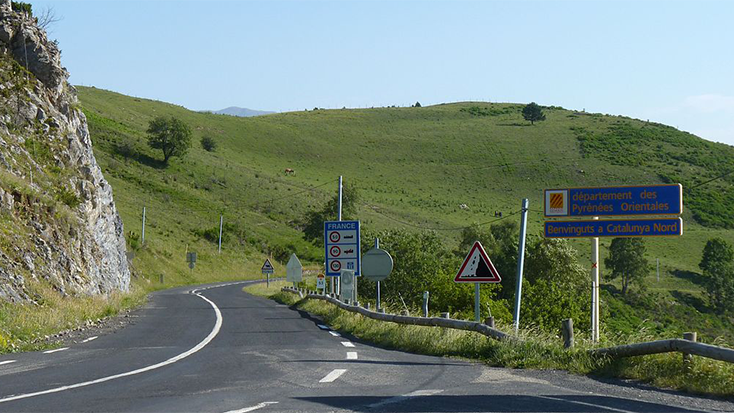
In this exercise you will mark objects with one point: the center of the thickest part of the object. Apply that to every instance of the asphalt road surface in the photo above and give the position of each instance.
(216, 349)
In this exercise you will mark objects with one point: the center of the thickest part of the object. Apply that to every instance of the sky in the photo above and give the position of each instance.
(666, 61)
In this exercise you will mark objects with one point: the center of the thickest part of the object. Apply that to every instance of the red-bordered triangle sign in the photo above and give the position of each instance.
(477, 267)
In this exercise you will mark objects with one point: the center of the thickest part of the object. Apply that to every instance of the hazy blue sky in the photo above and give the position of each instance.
(666, 61)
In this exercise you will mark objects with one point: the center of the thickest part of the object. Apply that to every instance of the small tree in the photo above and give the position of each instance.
(716, 252)
(627, 260)
(717, 264)
(314, 222)
(417, 105)
(170, 135)
(533, 113)
(208, 143)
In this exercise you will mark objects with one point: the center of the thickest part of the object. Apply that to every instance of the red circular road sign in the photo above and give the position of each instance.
(334, 236)
(335, 266)
(335, 251)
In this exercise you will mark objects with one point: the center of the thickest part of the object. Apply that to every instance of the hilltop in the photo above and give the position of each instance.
(240, 112)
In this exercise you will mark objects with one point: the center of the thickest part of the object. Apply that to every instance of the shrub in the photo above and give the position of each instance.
(208, 143)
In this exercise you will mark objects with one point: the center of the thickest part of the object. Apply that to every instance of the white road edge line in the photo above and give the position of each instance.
(398, 399)
(347, 344)
(351, 355)
(335, 334)
(333, 375)
(89, 339)
(55, 350)
(7, 362)
(249, 409)
(598, 406)
(201, 345)
(323, 327)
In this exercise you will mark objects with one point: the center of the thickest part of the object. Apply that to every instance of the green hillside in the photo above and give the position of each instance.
(413, 167)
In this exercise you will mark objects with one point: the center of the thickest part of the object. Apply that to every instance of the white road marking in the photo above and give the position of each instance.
(201, 345)
(333, 375)
(323, 327)
(347, 344)
(597, 406)
(255, 407)
(335, 334)
(351, 355)
(55, 350)
(7, 362)
(398, 399)
(89, 339)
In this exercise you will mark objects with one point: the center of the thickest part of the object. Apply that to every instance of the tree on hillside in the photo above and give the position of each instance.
(627, 261)
(717, 264)
(314, 222)
(170, 135)
(417, 105)
(208, 143)
(533, 113)
(716, 252)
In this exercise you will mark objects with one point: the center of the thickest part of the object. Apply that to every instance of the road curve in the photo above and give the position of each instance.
(216, 349)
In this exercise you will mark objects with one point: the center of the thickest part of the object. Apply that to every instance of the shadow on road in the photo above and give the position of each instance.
(492, 403)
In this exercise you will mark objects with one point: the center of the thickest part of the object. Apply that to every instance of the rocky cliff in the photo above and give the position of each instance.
(58, 221)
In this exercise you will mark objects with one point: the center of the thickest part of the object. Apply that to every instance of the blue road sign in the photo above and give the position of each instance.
(660, 227)
(614, 201)
(341, 242)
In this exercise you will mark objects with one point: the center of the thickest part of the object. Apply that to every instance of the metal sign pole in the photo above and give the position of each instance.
(595, 288)
(520, 262)
(377, 245)
(339, 211)
(476, 302)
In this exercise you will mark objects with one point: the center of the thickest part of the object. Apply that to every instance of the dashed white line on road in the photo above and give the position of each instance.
(323, 327)
(398, 399)
(347, 344)
(7, 362)
(333, 375)
(351, 355)
(335, 334)
(55, 350)
(90, 339)
(253, 408)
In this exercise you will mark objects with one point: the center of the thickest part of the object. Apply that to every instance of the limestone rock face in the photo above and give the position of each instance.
(58, 221)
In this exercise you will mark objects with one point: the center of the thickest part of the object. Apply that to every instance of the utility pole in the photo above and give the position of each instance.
(142, 236)
(221, 221)
(520, 262)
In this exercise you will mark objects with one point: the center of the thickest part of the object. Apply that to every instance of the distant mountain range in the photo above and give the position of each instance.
(241, 112)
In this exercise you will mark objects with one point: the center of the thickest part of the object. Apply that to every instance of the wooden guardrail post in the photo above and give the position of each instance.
(489, 321)
(567, 332)
(445, 315)
(687, 357)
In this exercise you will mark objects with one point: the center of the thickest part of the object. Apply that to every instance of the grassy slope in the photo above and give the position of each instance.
(413, 167)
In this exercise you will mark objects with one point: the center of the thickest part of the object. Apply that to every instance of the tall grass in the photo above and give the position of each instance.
(29, 326)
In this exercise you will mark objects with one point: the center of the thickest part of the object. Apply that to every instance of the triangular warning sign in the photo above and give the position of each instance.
(267, 265)
(477, 267)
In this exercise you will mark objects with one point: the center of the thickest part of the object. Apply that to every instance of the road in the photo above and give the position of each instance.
(216, 349)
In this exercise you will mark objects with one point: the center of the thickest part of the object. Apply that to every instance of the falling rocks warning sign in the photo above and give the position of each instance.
(477, 267)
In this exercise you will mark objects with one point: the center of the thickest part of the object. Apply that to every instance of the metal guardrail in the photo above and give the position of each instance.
(687, 347)
(404, 319)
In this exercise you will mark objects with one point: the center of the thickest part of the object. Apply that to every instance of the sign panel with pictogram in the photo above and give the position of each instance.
(477, 267)
(267, 267)
(341, 242)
